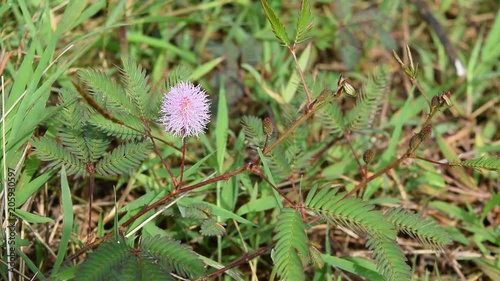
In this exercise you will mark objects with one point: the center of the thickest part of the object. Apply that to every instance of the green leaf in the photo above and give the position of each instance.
(221, 128)
(123, 158)
(276, 25)
(304, 23)
(291, 250)
(211, 227)
(32, 218)
(424, 230)
(101, 264)
(489, 163)
(353, 266)
(391, 262)
(183, 260)
(369, 100)
(67, 226)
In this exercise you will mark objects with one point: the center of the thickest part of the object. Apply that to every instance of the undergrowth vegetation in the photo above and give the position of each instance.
(246, 140)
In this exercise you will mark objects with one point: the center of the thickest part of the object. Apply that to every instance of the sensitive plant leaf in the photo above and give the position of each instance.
(151, 270)
(489, 163)
(102, 85)
(123, 158)
(315, 255)
(291, 252)
(254, 133)
(370, 98)
(304, 23)
(211, 227)
(425, 230)
(350, 212)
(391, 262)
(276, 25)
(48, 150)
(199, 210)
(183, 260)
(137, 88)
(332, 118)
(99, 265)
(115, 130)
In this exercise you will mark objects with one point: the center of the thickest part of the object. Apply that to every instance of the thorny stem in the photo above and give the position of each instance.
(182, 162)
(346, 135)
(376, 175)
(430, 161)
(301, 74)
(157, 151)
(258, 172)
(415, 83)
(245, 258)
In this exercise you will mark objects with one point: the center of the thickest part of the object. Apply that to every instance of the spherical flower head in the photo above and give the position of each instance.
(185, 110)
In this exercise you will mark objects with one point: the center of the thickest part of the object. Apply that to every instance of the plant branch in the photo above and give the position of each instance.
(301, 74)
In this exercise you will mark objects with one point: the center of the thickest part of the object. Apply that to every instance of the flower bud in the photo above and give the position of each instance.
(415, 142)
(425, 133)
(435, 101)
(349, 90)
(267, 126)
(368, 156)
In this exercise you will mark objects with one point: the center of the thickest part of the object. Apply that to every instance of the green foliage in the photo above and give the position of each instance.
(155, 259)
(370, 98)
(332, 117)
(276, 25)
(424, 230)
(179, 258)
(304, 23)
(49, 150)
(489, 163)
(123, 158)
(84, 135)
(391, 262)
(291, 252)
(378, 229)
(254, 133)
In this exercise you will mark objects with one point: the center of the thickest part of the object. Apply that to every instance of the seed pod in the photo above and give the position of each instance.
(368, 156)
(415, 141)
(268, 126)
(425, 133)
(349, 90)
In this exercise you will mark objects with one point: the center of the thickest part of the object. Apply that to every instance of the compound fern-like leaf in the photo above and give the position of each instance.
(101, 264)
(369, 100)
(425, 230)
(350, 212)
(101, 85)
(304, 23)
(116, 130)
(391, 262)
(167, 251)
(137, 88)
(254, 134)
(291, 252)
(276, 25)
(123, 158)
(211, 227)
(488, 163)
(332, 118)
(48, 150)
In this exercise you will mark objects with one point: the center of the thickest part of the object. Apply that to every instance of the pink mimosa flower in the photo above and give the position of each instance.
(185, 110)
